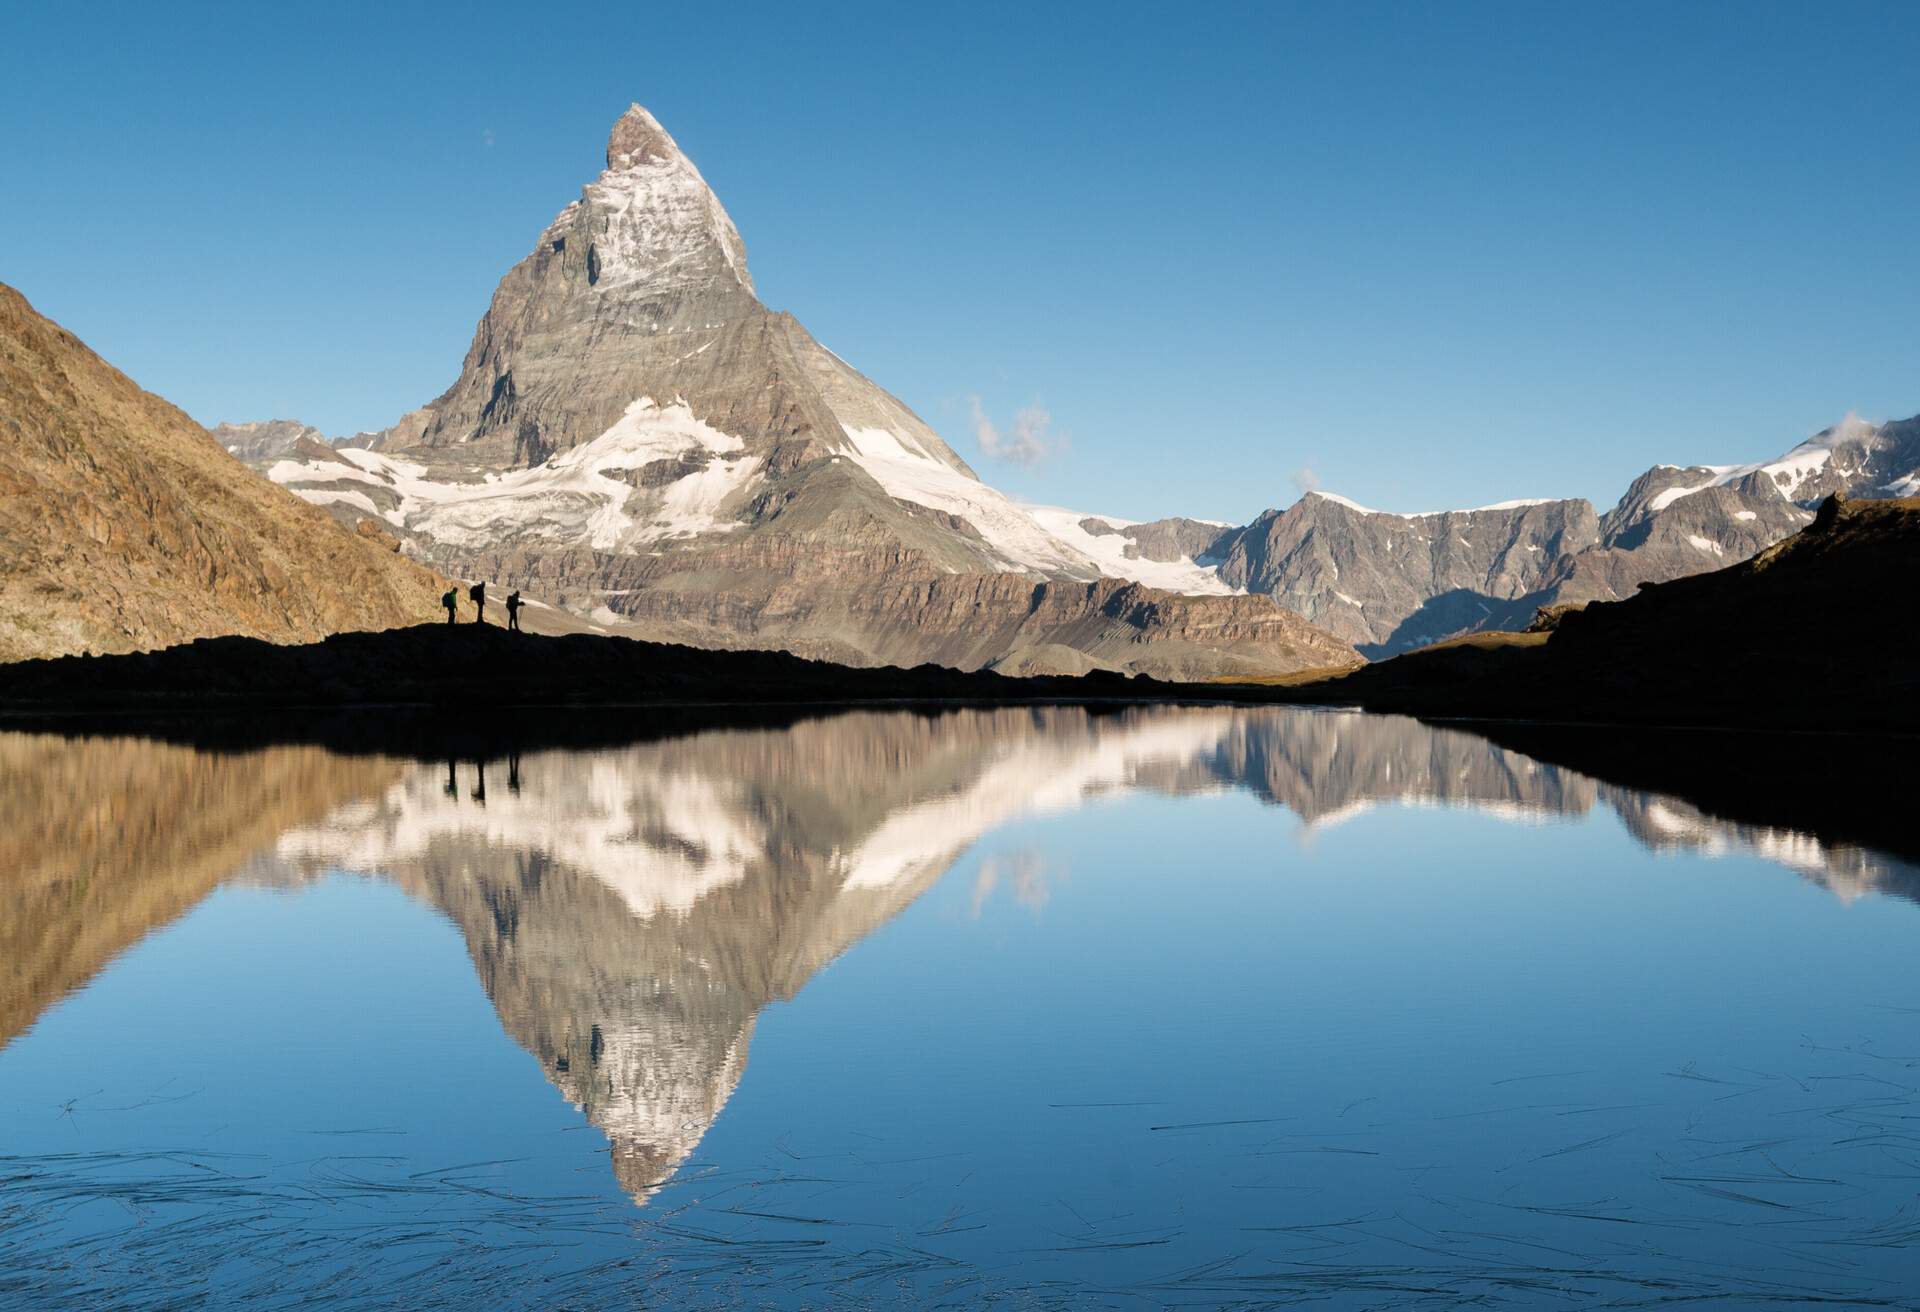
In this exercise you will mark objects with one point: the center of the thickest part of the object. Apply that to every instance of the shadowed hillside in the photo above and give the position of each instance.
(1816, 632)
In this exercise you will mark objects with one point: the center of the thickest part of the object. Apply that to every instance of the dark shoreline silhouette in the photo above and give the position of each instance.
(1810, 635)
(1814, 633)
(488, 666)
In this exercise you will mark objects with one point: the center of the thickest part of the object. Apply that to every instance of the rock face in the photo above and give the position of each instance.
(636, 437)
(1675, 522)
(1390, 582)
(123, 525)
(1802, 636)
(266, 439)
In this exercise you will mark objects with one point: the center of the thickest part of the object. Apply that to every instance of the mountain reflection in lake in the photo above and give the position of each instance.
(1207, 1007)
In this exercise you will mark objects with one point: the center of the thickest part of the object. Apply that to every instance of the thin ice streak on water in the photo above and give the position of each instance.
(365, 1221)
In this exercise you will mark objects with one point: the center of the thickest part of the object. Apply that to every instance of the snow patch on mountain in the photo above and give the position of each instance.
(1517, 504)
(907, 473)
(1786, 474)
(660, 217)
(588, 492)
(1108, 551)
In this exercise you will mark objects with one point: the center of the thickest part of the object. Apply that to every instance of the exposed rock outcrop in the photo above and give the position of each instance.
(1392, 582)
(123, 525)
(1801, 636)
(636, 437)
(1389, 582)
(266, 438)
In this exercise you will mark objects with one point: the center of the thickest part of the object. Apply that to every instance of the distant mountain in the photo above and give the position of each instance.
(1814, 632)
(266, 439)
(1389, 582)
(1392, 582)
(635, 436)
(123, 525)
(1675, 521)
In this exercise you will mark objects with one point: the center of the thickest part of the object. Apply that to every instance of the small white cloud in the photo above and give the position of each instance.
(486, 138)
(1304, 480)
(1027, 441)
(1026, 871)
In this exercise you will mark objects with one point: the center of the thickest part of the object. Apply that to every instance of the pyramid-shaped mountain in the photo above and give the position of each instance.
(636, 437)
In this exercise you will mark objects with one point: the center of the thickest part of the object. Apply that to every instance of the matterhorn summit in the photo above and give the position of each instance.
(636, 438)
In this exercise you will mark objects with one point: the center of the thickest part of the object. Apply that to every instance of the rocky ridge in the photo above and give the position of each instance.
(1391, 582)
(269, 438)
(124, 526)
(636, 437)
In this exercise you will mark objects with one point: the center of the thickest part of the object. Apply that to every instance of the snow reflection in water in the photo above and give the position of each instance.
(631, 913)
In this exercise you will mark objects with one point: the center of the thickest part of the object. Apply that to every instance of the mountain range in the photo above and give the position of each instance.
(644, 447)
(1389, 582)
(635, 437)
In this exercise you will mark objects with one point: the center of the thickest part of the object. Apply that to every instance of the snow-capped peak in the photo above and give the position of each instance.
(1520, 503)
(653, 219)
(637, 138)
(1789, 472)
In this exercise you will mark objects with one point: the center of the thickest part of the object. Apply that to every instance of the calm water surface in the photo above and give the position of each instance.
(1198, 1008)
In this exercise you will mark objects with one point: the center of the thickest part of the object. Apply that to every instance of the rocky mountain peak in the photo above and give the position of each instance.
(650, 222)
(637, 138)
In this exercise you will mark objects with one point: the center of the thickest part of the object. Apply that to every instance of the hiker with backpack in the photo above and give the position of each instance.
(450, 600)
(513, 612)
(478, 595)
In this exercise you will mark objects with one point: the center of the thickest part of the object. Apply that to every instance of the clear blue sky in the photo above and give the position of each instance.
(1438, 254)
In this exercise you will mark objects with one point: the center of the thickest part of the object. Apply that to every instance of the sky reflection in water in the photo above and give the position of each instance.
(1217, 1007)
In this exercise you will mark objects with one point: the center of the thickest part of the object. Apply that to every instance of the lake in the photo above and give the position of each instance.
(1197, 1007)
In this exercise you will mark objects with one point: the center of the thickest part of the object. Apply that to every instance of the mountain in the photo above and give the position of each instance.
(1674, 522)
(635, 436)
(1392, 582)
(123, 525)
(267, 438)
(1811, 633)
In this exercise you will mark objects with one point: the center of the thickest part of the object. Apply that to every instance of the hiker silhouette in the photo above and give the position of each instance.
(450, 600)
(513, 611)
(477, 594)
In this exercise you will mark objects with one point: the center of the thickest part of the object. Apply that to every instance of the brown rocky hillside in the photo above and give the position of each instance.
(124, 526)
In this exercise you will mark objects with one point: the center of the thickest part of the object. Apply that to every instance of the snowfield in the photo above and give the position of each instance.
(1516, 504)
(1787, 474)
(906, 473)
(1108, 551)
(578, 495)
